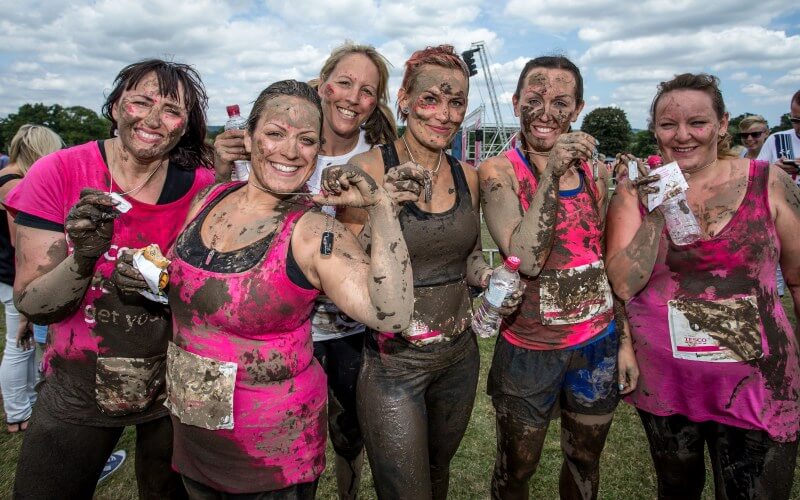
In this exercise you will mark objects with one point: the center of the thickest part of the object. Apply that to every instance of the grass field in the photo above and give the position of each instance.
(627, 471)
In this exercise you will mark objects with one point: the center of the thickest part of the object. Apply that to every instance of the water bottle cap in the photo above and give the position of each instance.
(512, 262)
(232, 110)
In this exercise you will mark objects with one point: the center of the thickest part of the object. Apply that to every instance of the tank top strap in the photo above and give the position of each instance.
(4, 179)
(591, 185)
(215, 196)
(522, 171)
(459, 179)
(389, 155)
(758, 179)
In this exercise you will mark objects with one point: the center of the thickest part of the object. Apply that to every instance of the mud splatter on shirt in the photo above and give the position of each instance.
(739, 262)
(259, 319)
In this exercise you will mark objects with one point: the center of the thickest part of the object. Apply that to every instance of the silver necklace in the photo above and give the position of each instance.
(429, 174)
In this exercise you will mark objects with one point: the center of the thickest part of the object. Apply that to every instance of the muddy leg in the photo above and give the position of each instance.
(348, 475)
(748, 464)
(676, 445)
(154, 474)
(449, 401)
(582, 441)
(391, 409)
(519, 448)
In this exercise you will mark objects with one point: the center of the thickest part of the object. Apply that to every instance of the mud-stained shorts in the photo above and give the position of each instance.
(533, 386)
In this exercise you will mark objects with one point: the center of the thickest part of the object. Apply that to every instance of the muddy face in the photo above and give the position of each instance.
(546, 106)
(149, 123)
(437, 103)
(285, 144)
(687, 129)
(350, 94)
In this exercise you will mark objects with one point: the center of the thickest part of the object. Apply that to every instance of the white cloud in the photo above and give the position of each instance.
(791, 79)
(756, 89)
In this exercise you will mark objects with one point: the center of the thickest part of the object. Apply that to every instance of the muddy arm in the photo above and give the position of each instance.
(49, 284)
(631, 242)
(784, 200)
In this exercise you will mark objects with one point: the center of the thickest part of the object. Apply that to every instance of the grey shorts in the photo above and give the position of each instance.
(533, 386)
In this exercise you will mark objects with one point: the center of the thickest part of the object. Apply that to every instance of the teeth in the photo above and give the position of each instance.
(346, 112)
(683, 150)
(284, 168)
(148, 135)
(544, 130)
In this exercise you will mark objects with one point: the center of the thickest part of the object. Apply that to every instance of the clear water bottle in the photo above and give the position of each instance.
(241, 168)
(504, 282)
(235, 120)
(682, 225)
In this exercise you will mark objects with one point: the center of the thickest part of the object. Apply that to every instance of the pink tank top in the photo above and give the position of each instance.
(712, 339)
(259, 320)
(570, 301)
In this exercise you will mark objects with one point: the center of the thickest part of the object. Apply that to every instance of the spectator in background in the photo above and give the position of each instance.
(783, 148)
(4, 159)
(753, 132)
(18, 369)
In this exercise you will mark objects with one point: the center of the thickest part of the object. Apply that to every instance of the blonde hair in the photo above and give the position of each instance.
(380, 127)
(30, 143)
(751, 120)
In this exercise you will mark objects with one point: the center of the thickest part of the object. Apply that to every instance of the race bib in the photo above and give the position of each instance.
(571, 296)
(199, 389)
(127, 385)
(726, 330)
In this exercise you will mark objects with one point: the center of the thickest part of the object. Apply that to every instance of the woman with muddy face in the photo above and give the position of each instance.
(353, 87)
(246, 394)
(558, 355)
(718, 358)
(77, 212)
(416, 388)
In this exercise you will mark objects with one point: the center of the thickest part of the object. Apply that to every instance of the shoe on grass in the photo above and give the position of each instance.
(113, 463)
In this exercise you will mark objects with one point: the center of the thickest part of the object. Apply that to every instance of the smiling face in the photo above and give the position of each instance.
(350, 94)
(754, 142)
(437, 103)
(284, 144)
(687, 129)
(546, 106)
(149, 123)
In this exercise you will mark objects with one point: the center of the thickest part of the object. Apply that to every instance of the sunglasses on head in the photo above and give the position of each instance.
(794, 119)
(754, 135)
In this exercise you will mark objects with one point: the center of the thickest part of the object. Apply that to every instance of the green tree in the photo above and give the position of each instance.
(610, 126)
(785, 124)
(643, 144)
(74, 124)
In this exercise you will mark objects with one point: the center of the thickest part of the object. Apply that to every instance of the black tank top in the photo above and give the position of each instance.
(6, 250)
(438, 243)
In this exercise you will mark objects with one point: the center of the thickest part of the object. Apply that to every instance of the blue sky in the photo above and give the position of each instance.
(68, 52)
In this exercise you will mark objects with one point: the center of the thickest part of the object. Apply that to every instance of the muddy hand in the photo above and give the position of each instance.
(90, 223)
(405, 182)
(348, 185)
(126, 277)
(228, 147)
(25, 334)
(512, 302)
(570, 149)
(621, 166)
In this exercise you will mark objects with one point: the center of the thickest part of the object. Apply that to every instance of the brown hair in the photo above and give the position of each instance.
(749, 121)
(380, 127)
(441, 55)
(192, 150)
(703, 82)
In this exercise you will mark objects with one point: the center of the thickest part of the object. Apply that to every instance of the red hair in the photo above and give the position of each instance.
(442, 55)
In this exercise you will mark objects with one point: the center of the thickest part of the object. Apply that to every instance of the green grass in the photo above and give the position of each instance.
(627, 471)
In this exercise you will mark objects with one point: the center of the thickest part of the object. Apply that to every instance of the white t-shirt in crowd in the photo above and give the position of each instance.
(327, 322)
(770, 153)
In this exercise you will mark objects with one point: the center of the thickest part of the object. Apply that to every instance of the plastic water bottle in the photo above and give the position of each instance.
(241, 168)
(681, 223)
(504, 282)
(235, 120)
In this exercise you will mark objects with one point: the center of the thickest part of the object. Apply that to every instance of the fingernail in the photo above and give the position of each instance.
(621, 386)
(596, 142)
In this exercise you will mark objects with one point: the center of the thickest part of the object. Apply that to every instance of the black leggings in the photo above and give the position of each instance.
(302, 491)
(63, 460)
(746, 463)
(414, 419)
(341, 360)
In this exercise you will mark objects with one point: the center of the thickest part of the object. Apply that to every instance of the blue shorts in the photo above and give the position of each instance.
(534, 386)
